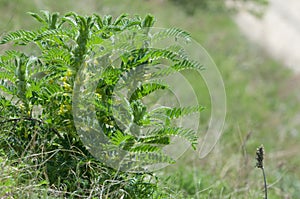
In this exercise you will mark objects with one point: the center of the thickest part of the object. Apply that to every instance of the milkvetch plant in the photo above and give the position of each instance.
(37, 80)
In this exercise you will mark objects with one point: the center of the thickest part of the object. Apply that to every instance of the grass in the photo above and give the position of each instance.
(261, 105)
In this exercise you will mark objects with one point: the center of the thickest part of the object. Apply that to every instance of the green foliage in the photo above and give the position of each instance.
(190, 6)
(36, 104)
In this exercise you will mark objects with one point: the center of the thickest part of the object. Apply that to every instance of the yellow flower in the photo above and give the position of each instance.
(22, 106)
(63, 79)
(98, 95)
(61, 110)
(67, 86)
(69, 73)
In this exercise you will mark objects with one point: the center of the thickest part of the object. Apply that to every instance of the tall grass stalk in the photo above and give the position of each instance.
(259, 164)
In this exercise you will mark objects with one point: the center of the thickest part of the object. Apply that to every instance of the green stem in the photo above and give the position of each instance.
(265, 183)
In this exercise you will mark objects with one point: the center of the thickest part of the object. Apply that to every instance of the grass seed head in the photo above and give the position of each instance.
(260, 157)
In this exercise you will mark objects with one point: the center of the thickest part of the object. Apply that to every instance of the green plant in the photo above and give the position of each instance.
(38, 127)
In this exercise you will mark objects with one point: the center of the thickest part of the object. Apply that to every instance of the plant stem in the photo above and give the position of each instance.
(265, 183)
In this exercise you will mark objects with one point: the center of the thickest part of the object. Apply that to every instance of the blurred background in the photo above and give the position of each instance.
(255, 45)
(277, 31)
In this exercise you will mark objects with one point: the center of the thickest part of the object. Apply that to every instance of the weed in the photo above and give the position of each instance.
(260, 153)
